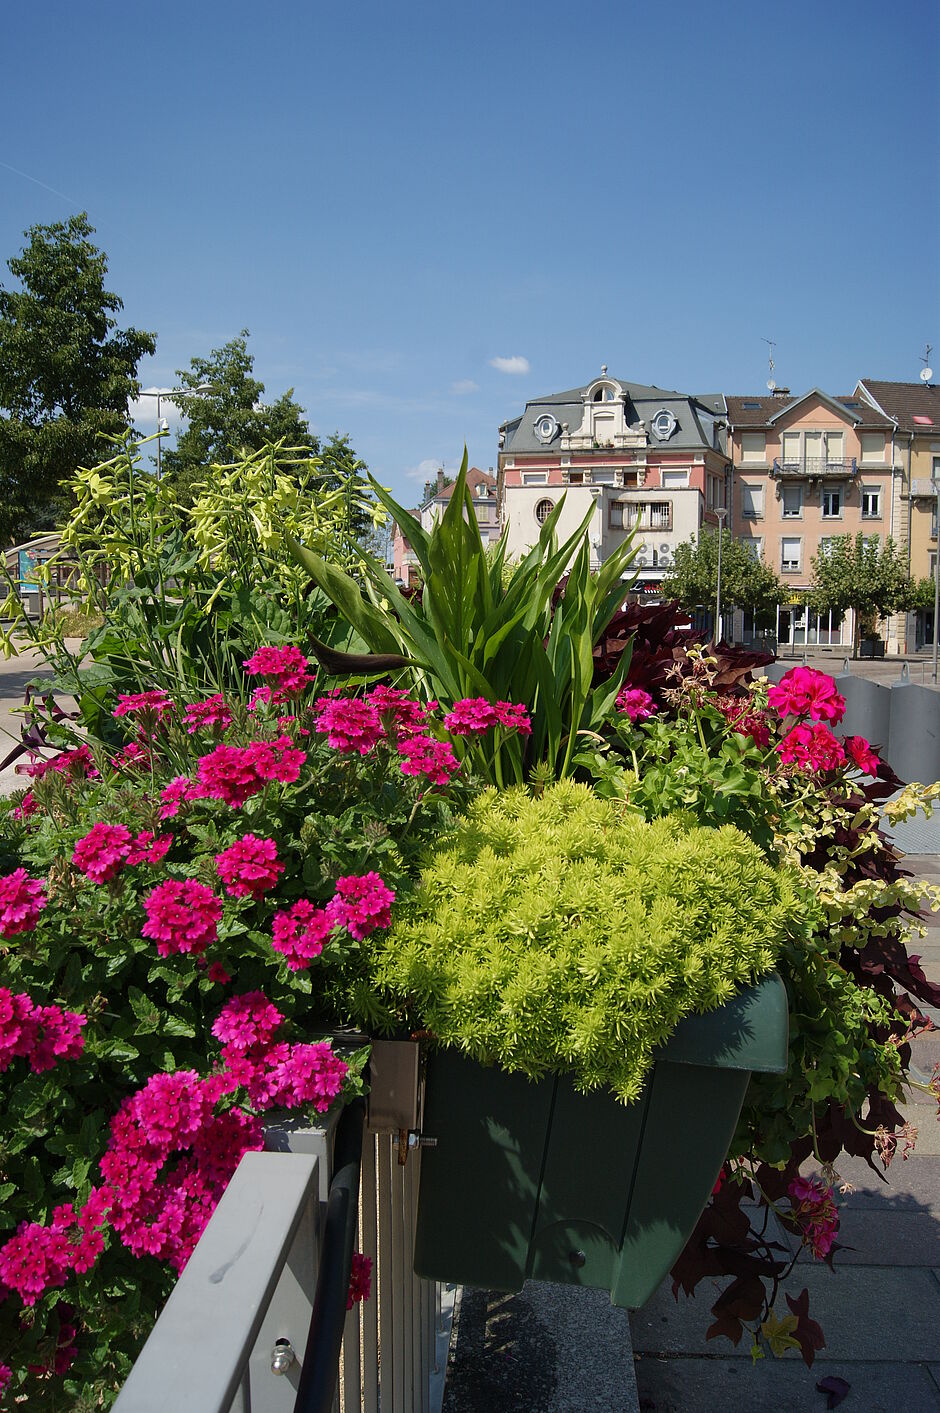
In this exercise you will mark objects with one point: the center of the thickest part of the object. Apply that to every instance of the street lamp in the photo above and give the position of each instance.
(935, 482)
(720, 515)
(172, 394)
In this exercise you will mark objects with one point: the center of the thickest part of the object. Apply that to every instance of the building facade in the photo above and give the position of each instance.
(638, 456)
(914, 409)
(482, 487)
(805, 470)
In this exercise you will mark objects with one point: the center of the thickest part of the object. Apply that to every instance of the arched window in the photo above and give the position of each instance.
(543, 510)
(603, 394)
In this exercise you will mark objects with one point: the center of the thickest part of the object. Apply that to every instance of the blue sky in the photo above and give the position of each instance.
(394, 198)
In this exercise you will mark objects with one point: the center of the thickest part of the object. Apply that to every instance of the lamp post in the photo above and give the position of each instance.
(720, 515)
(935, 482)
(172, 394)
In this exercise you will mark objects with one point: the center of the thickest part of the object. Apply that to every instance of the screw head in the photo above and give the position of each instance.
(577, 1258)
(282, 1356)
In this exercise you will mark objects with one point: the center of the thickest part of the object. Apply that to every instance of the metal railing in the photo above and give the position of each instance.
(253, 1321)
(814, 466)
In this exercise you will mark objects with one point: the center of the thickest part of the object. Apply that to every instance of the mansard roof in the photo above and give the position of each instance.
(695, 415)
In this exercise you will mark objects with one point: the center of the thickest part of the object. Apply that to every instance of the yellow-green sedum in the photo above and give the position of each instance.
(564, 933)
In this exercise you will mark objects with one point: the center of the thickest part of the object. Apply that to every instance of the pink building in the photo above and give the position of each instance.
(482, 487)
(641, 456)
(805, 470)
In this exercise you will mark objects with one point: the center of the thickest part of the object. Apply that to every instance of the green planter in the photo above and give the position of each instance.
(533, 1180)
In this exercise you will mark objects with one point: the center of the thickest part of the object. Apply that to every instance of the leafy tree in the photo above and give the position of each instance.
(922, 594)
(342, 469)
(231, 419)
(66, 371)
(746, 581)
(859, 573)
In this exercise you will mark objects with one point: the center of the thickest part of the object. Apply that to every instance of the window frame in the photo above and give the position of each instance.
(754, 491)
(866, 492)
(786, 568)
(791, 514)
(828, 492)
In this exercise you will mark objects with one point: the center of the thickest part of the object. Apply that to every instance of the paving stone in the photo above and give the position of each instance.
(913, 1186)
(874, 1237)
(547, 1349)
(867, 1313)
(733, 1386)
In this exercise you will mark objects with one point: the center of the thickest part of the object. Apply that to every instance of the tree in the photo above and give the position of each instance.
(857, 573)
(746, 581)
(67, 371)
(340, 467)
(230, 419)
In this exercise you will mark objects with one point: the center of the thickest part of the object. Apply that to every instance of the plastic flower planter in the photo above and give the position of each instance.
(534, 1180)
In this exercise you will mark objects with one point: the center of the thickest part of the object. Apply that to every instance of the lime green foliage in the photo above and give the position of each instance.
(477, 632)
(183, 597)
(565, 933)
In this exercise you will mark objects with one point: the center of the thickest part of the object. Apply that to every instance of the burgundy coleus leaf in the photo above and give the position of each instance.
(834, 1388)
(808, 1333)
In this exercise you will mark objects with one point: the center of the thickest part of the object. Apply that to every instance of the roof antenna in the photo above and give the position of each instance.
(926, 373)
(771, 343)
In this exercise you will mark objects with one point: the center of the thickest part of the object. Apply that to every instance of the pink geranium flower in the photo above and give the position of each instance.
(861, 754)
(813, 748)
(805, 692)
(182, 916)
(635, 704)
(249, 867)
(22, 899)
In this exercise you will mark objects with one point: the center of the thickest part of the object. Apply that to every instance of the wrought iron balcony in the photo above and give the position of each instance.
(816, 467)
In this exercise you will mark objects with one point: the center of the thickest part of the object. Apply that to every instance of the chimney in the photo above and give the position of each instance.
(440, 480)
(781, 392)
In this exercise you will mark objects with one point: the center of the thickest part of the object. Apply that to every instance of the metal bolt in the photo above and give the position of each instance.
(282, 1356)
(577, 1258)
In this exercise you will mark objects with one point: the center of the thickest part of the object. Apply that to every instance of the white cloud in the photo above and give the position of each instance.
(142, 411)
(463, 386)
(516, 364)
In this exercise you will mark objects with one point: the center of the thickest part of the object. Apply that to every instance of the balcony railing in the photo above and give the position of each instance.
(815, 466)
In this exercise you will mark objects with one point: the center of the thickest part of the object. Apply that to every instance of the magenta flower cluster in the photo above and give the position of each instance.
(635, 704)
(150, 706)
(106, 848)
(471, 716)
(182, 916)
(249, 867)
(22, 899)
(212, 712)
(74, 764)
(814, 1210)
(287, 670)
(350, 724)
(805, 692)
(360, 904)
(233, 774)
(43, 1035)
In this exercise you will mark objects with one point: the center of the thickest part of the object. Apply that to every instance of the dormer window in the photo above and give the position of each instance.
(545, 427)
(663, 425)
(604, 394)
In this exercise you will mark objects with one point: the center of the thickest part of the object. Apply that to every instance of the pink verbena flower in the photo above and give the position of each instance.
(217, 974)
(74, 764)
(182, 916)
(861, 754)
(813, 748)
(247, 1021)
(213, 712)
(26, 807)
(40, 1034)
(805, 692)
(179, 792)
(37, 1259)
(135, 756)
(308, 1074)
(149, 848)
(249, 867)
(6, 1374)
(300, 933)
(361, 904)
(286, 666)
(470, 716)
(360, 1280)
(234, 773)
(102, 852)
(152, 706)
(262, 696)
(22, 899)
(513, 716)
(634, 703)
(423, 755)
(349, 725)
(400, 714)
